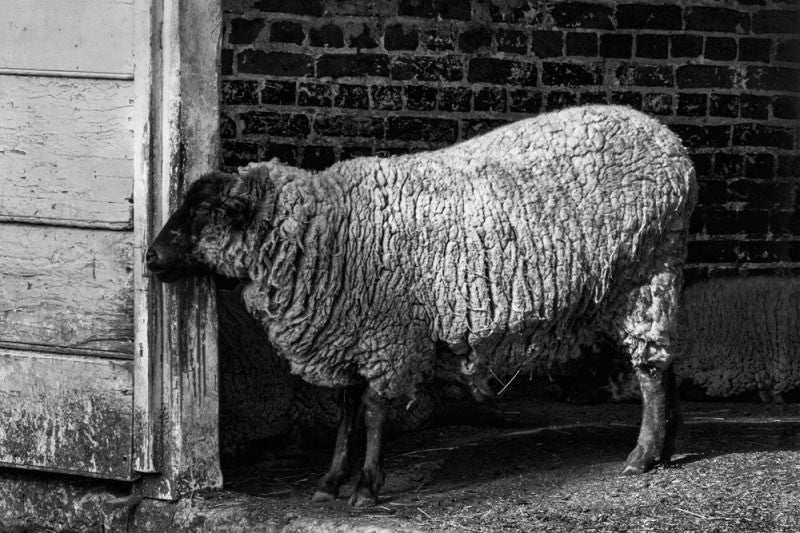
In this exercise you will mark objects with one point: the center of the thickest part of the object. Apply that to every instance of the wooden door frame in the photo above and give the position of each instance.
(176, 138)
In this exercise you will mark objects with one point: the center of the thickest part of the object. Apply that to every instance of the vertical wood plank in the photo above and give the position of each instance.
(183, 387)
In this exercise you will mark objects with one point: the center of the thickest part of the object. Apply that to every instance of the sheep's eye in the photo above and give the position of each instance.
(199, 221)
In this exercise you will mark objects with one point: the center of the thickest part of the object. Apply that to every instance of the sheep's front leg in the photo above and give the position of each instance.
(370, 481)
(328, 486)
(657, 406)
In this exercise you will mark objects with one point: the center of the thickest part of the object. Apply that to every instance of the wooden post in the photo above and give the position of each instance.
(176, 437)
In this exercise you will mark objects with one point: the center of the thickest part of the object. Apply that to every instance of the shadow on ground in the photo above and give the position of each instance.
(554, 467)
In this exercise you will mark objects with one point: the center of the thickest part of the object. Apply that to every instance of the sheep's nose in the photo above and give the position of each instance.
(151, 257)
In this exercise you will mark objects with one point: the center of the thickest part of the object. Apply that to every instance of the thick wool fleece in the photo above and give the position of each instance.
(742, 335)
(507, 249)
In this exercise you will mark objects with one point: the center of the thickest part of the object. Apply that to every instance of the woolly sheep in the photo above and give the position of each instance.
(738, 335)
(507, 250)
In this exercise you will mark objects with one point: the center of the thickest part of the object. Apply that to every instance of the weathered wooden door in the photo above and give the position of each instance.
(103, 372)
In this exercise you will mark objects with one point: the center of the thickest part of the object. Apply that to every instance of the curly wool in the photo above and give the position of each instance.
(742, 335)
(508, 249)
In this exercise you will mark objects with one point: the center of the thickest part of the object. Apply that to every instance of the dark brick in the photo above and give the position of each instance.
(349, 126)
(582, 15)
(364, 40)
(717, 20)
(582, 44)
(789, 166)
(237, 153)
(387, 97)
(772, 78)
(239, 92)
(446, 9)
(501, 71)
(728, 165)
(762, 195)
(352, 97)
(352, 65)
(244, 31)
(312, 8)
(784, 223)
(286, 31)
(280, 124)
(226, 60)
(547, 43)
(421, 97)
(277, 92)
(427, 68)
(754, 49)
(327, 35)
(788, 50)
(763, 135)
(560, 99)
(686, 45)
(652, 46)
(314, 94)
(524, 101)
(455, 98)
(633, 100)
(479, 126)
(696, 136)
(352, 152)
(703, 164)
(704, 77)
(276, 63)
(422, 129)
(474, 39)
(712, 193)
(716, 221)
(512, 41)
(759, 166)
(590, 97)
(692, 105)
(776, 22)
(743, 251)
(616, 45)
(657, 104)
(286, 153)
(724, 105)
(399, 37)
(318, 157)
(786, 107)
(439, 39)
(720, 48)
(227, 127)
(507, 12)
(645, 75)
(652, 17)
(571, 74)
(490, 99)
(755, 107)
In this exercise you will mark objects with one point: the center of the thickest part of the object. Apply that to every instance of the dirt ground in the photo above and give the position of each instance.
(542, 466)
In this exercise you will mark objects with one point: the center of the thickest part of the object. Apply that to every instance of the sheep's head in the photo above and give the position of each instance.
(216, 208)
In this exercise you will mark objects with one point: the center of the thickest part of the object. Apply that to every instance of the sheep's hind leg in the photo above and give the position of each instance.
(365, 492)
(328, 486)
(653, 431)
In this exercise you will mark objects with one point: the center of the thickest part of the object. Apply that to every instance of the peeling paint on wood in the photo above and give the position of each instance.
(66, 287)
(66, 150)
(67, 35)
(66, 413)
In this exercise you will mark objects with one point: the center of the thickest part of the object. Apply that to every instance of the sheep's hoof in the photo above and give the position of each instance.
(321, 496)
(638, 462)
(363, 497)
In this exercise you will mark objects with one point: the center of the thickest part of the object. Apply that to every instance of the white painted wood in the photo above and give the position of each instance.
(66, 288)
(66, 150)
(67, 35)
(66, 413)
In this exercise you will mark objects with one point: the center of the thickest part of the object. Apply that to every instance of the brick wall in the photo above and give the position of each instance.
(315, 81)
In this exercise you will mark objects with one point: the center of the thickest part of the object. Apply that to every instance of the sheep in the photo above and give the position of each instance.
(740, 335)
(507, 250)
